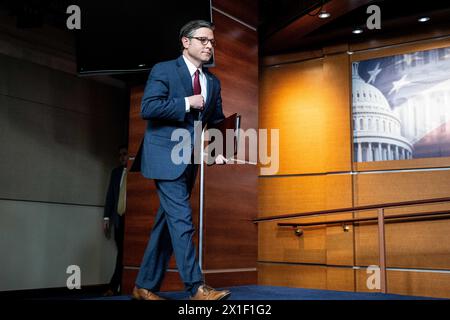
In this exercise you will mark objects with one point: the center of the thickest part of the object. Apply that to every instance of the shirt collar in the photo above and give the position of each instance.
(191, 66)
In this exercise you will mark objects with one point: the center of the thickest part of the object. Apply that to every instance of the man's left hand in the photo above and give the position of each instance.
(107, 229)
(220, 159)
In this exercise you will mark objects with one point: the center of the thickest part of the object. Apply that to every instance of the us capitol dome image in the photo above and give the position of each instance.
(376, 128)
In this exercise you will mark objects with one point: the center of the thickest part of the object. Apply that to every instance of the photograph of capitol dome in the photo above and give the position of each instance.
(401, 106)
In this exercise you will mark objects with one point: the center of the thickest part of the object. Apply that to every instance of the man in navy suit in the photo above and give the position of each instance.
(178, 94)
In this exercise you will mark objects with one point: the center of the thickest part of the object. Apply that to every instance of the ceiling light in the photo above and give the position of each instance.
(423, 19)
(357, 31)
(324, 15)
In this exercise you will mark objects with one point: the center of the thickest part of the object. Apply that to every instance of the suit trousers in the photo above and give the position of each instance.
(116, 280)
(172, 231)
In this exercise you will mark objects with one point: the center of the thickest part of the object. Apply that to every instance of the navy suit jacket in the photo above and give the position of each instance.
(163, 105)
(112, 197)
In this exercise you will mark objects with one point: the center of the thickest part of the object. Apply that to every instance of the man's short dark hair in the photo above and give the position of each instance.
(189, 28)
(122, 146)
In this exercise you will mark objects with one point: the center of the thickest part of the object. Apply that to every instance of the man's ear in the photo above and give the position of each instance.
(185, 42)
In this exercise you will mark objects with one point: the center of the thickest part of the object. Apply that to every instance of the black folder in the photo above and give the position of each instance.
(232, 122)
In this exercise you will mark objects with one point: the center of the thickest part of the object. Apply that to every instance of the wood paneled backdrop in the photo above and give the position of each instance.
(307, 96)
(230, 237)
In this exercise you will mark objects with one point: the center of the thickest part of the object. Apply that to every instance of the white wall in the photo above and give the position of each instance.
(38, 241)
(58, 139)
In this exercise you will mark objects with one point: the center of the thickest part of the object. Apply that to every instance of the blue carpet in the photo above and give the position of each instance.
(255, 292)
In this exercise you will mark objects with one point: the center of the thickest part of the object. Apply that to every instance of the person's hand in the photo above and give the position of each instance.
(107, 229)
(220, 159)
(196, 102)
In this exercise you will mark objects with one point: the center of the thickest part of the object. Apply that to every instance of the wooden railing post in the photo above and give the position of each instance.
(382, 250)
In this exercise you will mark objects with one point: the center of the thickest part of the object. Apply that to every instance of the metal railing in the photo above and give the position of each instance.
(380, 219)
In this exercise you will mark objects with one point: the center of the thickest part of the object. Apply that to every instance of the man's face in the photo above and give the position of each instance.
(195, 49)
(123, 156)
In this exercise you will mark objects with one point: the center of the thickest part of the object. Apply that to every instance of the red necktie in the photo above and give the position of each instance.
(197, 88)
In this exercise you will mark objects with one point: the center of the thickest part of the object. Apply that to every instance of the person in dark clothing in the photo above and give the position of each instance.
(113, 216)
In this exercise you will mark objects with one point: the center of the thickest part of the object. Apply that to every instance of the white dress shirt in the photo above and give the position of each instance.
(121, 181)
(202, 78)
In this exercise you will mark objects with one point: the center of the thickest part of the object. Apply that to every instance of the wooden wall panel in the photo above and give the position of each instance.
(237, 68)
(313, 277)
(336, 153)
(400, 186)
(301, 276)
(280, 244)
(424, 284)
(230, 190)
(340, 279)
(402, 164)
(244, 10)
(340, 243)
(288, 103)
(303, 111)
(419, 283)
(230, 207)
(294, 194)
(228, 279)
(319, 244)
(137, 124)
(142, 204)
(421, 244)
(306, 147)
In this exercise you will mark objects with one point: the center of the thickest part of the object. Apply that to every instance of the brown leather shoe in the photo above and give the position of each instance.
(144, 294)
(205, 292)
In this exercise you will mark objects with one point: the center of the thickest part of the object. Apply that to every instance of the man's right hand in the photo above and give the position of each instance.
(107, 229)
(196, 102)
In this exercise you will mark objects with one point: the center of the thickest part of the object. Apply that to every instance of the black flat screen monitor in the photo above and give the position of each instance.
(124, 36)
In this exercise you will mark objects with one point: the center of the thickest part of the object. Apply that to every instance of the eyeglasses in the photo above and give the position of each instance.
(204, 40)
